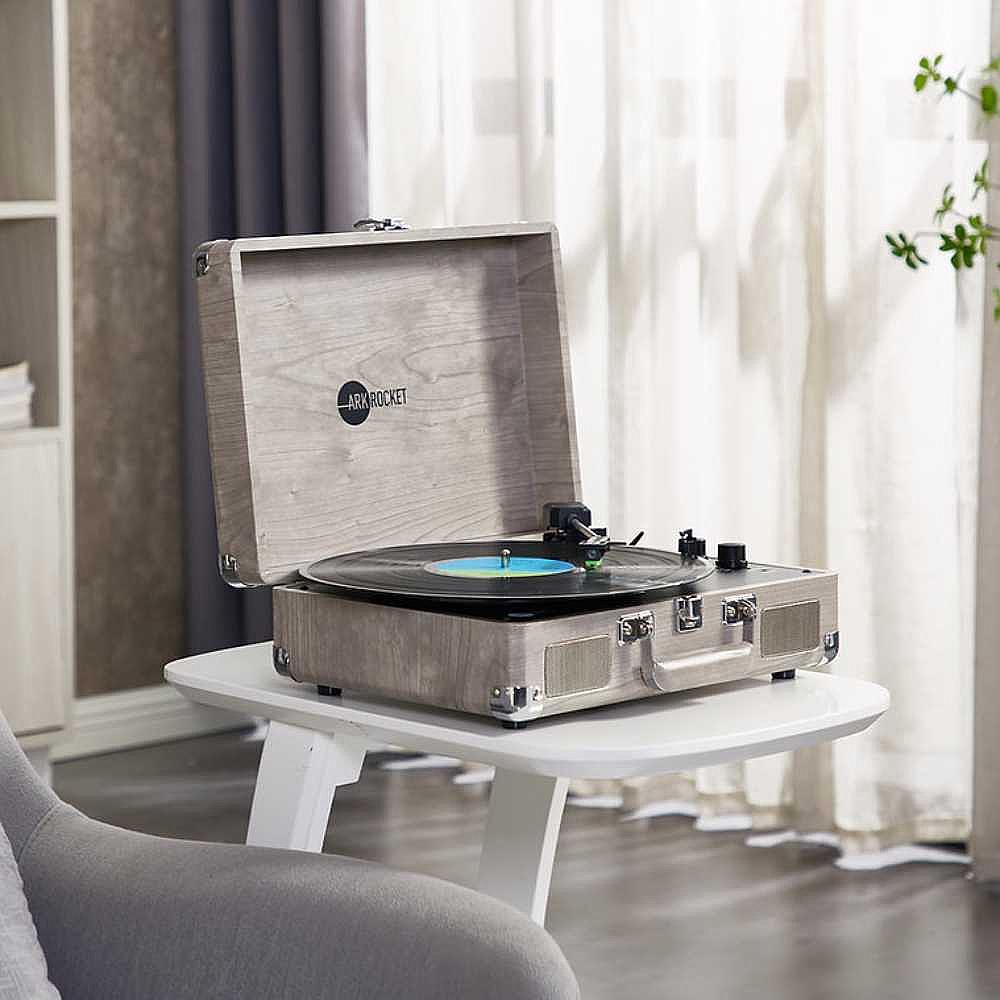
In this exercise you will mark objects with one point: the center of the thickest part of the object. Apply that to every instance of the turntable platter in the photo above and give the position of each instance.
(520, 572)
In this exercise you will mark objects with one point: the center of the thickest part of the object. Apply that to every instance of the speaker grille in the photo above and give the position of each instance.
(577, 665)
(793, 628)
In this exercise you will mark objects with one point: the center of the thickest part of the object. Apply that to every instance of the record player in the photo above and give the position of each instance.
(394, 451)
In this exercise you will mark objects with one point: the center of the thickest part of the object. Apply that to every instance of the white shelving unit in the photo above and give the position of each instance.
(36, 464)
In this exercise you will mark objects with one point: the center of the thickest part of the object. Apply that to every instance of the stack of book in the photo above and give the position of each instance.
(16, 391)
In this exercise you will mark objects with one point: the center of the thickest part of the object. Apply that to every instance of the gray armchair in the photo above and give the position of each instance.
(126, 915)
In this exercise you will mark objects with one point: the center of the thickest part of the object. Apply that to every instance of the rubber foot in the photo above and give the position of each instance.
(327, 692)
(783, 675)
(511, 724)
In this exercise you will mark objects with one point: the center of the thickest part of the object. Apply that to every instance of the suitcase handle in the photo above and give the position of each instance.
(676, 674)
(673, 675)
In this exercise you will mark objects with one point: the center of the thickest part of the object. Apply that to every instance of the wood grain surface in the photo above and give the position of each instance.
(436, 659)
(469, 322)
(645, 909)
(453, 661)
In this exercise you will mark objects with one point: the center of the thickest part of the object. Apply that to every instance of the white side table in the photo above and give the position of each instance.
(315, 744)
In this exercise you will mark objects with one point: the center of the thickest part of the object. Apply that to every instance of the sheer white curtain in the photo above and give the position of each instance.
(747, 358)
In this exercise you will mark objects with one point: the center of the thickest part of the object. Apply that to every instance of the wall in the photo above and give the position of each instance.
(127, 343)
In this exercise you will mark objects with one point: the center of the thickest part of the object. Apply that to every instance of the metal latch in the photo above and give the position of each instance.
(687, 610)
(632, 628)
(831, 645)
(740, 609)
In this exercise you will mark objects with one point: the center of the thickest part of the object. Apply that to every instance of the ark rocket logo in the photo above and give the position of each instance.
(355, 403)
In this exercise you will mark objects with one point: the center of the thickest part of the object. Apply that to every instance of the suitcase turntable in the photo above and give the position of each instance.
(396, 521)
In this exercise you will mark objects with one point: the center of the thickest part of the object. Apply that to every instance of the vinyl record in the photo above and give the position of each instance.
(483, 572)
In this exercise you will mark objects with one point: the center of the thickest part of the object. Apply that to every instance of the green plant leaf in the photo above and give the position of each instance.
(950, 85)
(938, 58)
(925, 63)
(947, 204)
(996, 305)
(919, 82)
(981, 180)
(905, 249)
(963, 245)
(988, 99)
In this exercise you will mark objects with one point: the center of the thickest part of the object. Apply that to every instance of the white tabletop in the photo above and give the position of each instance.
(668, 732)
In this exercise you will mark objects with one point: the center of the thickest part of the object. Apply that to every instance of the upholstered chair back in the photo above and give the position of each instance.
(24, 797)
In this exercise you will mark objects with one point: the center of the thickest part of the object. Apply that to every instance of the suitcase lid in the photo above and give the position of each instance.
(368, 389)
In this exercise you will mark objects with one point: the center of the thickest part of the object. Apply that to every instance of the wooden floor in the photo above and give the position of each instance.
(642, 910)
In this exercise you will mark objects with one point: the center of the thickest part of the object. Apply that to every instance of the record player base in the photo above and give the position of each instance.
(314, 744)
(525, 669)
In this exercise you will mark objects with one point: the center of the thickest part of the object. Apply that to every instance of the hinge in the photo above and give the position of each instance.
(229, 570)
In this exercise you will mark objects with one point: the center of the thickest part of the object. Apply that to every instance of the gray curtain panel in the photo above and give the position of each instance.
(272, 139)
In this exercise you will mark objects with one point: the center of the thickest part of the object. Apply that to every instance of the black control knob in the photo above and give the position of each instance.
(732, 555)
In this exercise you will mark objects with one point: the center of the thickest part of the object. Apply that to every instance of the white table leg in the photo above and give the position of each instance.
(299, 771)
(519, 847)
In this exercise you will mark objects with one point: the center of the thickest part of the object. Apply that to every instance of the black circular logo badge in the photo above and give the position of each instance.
(353, 403)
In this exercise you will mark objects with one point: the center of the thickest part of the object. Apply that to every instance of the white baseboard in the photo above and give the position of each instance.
(139, 717)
